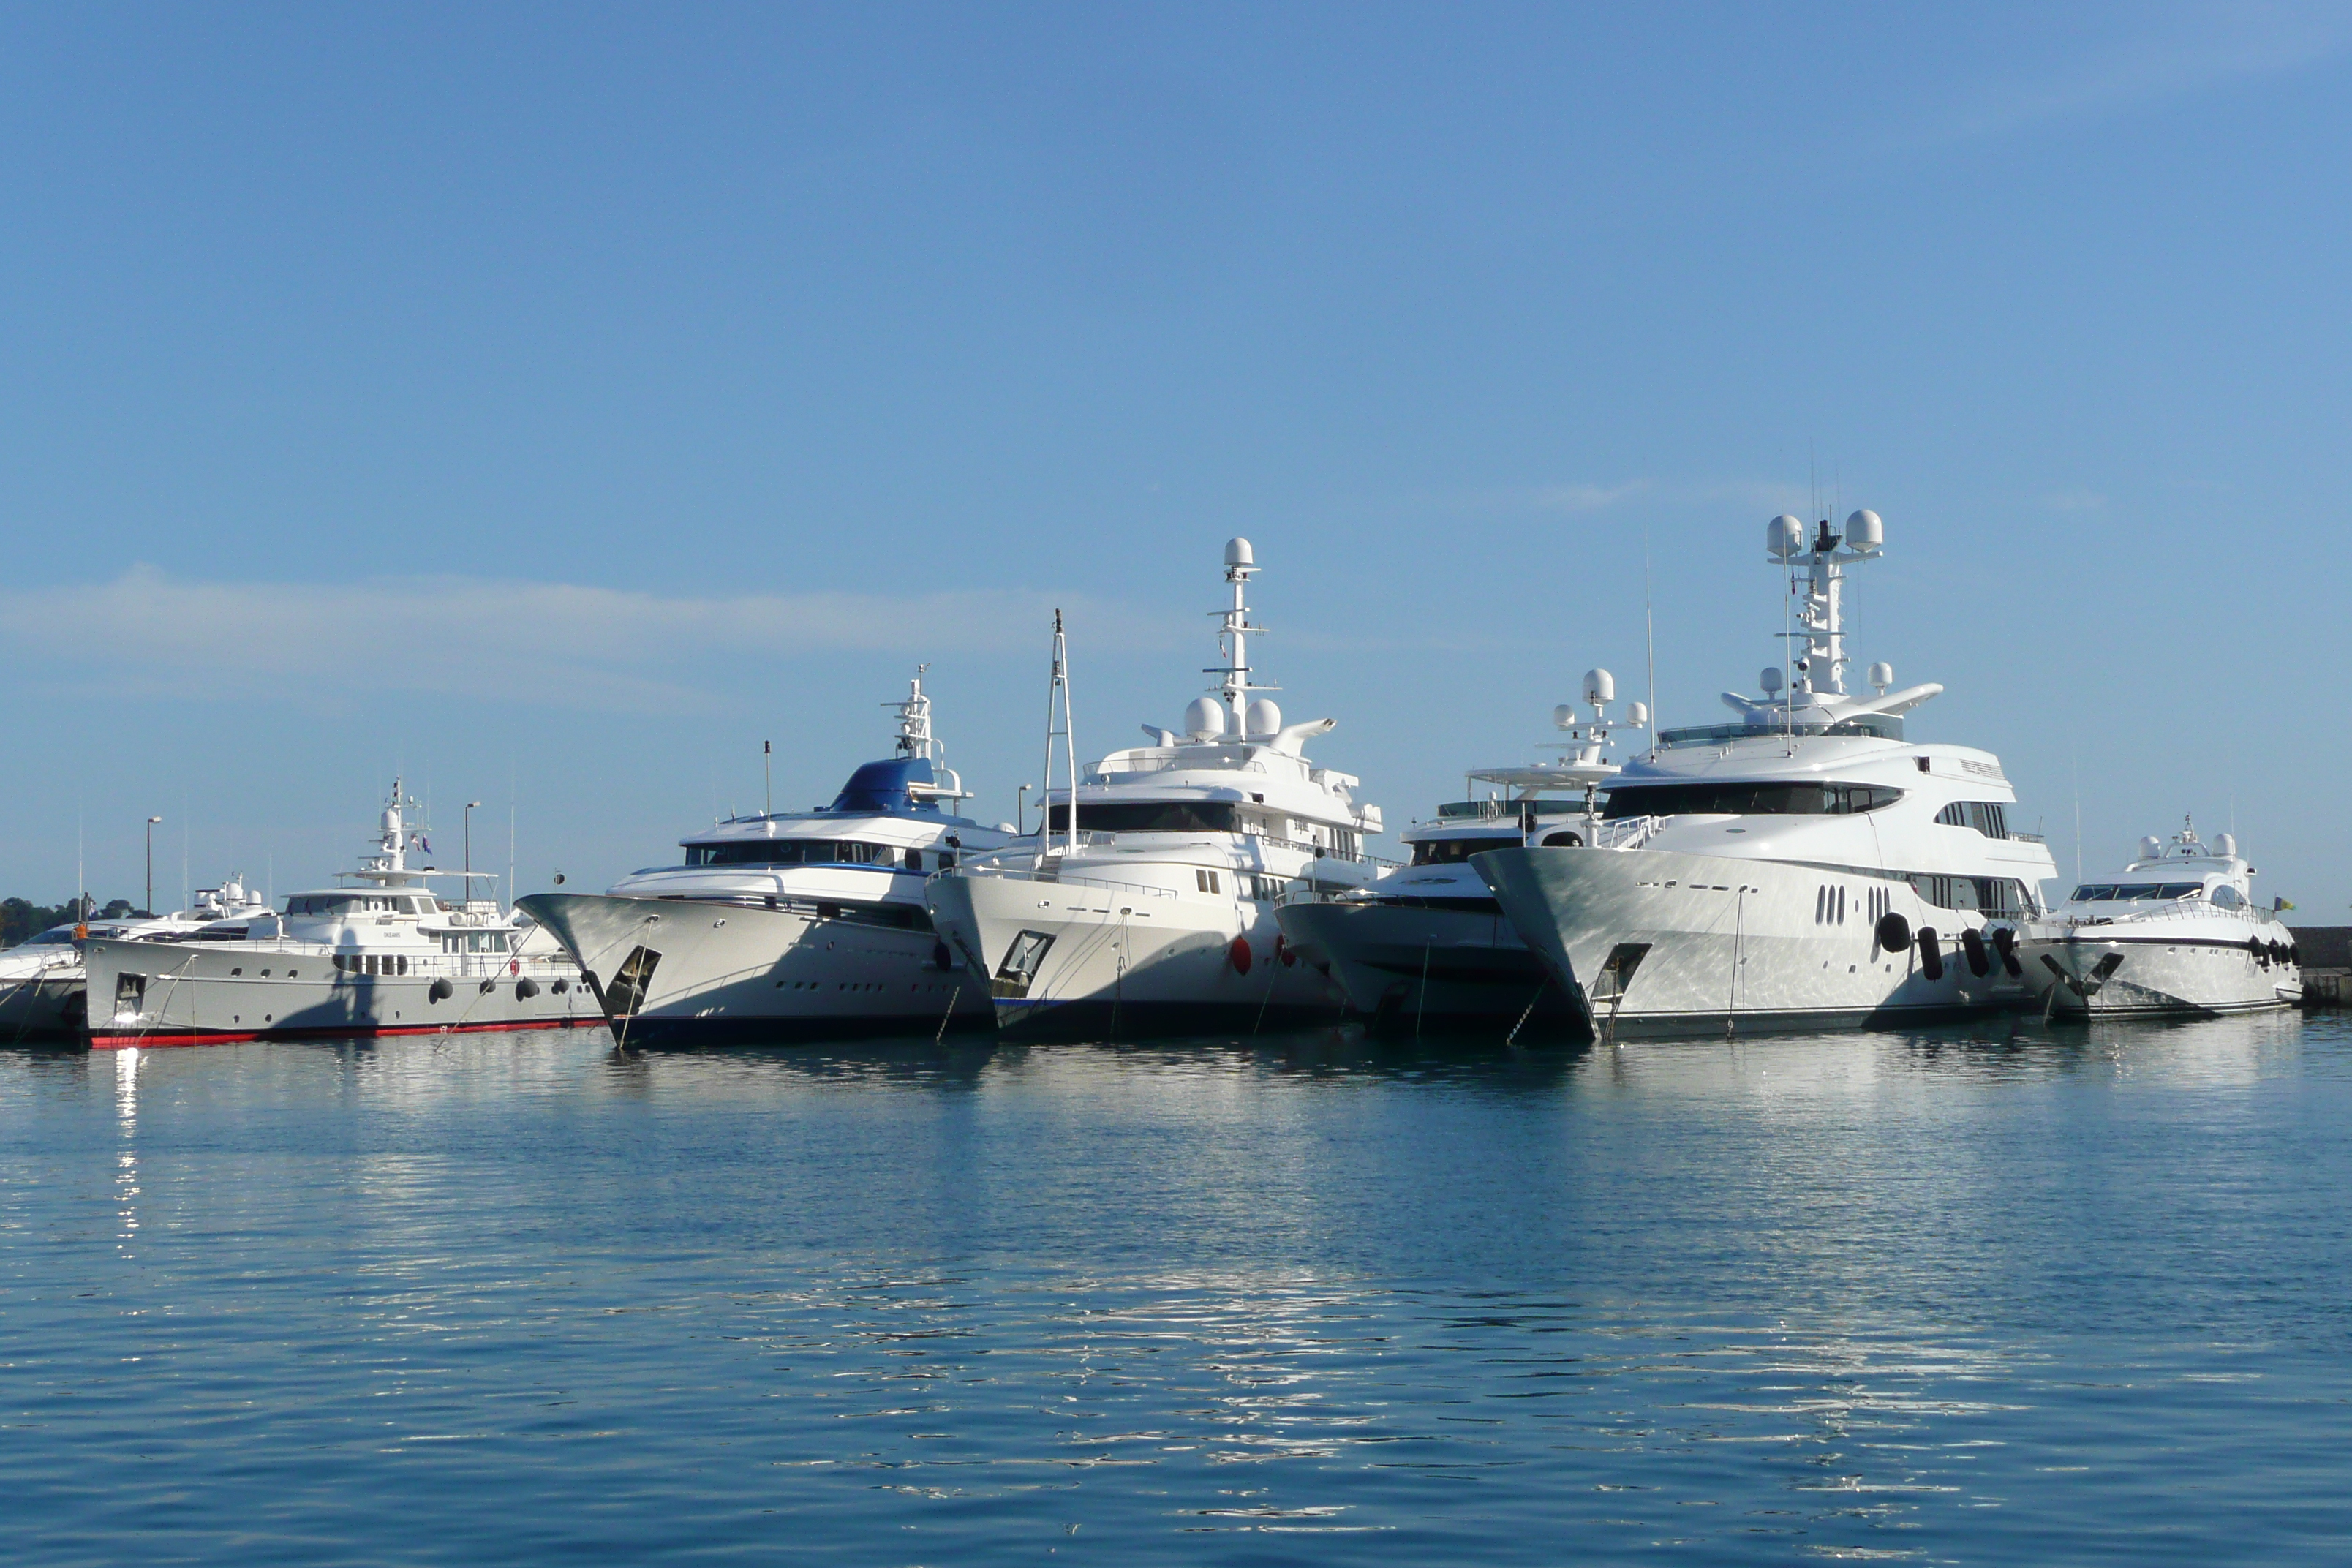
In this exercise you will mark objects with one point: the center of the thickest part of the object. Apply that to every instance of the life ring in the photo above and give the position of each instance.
(1239, 955)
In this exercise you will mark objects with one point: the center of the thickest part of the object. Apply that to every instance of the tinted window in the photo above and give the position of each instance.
(2094, 892)
(788, 852)
(323, 904)
(1150, 817)
(2180, 889)
(1762, 799)
(1453, 851)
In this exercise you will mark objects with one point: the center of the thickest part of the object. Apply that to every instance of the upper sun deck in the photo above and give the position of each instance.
(1936, 766)
(1241, 771)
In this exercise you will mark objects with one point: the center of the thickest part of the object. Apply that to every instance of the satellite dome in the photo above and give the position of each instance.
(1637, 714)
(1864, 532)
(1564, 716)
(1882, 675)
(1769, 680)
(1264, 720)
(1599, 687)
(1784, 536)
(2226, 846)
(1237, 552)
(2150, 847)
(1204, 719)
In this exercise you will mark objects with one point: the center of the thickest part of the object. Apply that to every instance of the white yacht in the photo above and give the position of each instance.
(2178, 932)
(42, 990)
(385, 957)
(791, 924)
(1803, 866)
(1427, 947)
(1146, 902)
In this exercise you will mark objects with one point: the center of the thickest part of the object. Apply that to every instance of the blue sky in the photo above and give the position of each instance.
(558, 401)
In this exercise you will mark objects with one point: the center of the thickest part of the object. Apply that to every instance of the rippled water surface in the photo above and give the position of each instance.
(2028, 1296)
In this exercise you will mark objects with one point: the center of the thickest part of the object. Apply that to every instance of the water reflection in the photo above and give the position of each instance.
(126, 1162)
(1837, 1295)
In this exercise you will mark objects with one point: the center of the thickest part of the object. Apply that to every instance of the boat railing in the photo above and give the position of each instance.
(1053, 874)
(2177, 910)
(1624, 832)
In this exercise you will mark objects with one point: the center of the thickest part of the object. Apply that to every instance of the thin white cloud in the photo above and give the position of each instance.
(147, 634)
(1580, 497)
(2178, 51)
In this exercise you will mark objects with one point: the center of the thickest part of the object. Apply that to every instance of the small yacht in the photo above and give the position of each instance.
(383, 957)
(2178, 932)
(1426, 947)
(1145, 903)
(1805, 865)
(42, 990)
(789, 925)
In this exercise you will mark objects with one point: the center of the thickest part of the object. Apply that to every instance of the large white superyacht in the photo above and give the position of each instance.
(385, 957)
(1803, 866)
(2178, 932)
(792, 925)
(1427, 947)
(1146, 902)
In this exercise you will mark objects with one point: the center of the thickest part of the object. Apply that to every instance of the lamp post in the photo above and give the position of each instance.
(469, 847)
(150, 863)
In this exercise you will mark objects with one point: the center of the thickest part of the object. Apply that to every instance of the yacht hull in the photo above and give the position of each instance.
(1408, 968)
(1129, 963)
(45, 1006)
(187, 993)
(1661, 943)
(2101, 973)
(726, 973)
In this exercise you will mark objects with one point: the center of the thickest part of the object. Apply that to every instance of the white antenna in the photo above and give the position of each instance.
(2077, 761)
(1650, 637)
(1059, 692)
(768, 775)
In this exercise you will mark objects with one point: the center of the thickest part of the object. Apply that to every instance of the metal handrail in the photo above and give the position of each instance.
(1048, 875)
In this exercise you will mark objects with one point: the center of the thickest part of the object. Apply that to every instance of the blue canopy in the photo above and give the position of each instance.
(882, 787)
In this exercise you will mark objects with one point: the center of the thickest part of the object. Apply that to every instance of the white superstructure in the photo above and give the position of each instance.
(1146, 902)
(2177, 933)
(792, 925)
(43, 989)
(1802, 866)
(383, 957)
(1427, 946)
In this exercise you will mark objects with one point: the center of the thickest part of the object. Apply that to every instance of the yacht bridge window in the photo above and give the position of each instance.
(791, 852)
(1453, 851)
(1749, 798)
(1154, 816)
(1991, 895)
(1988, 818)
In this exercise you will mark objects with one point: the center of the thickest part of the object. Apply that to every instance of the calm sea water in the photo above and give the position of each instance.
(1991, 1296)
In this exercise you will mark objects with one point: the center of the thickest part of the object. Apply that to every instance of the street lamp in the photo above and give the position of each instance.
(150, 863)
(469, 847)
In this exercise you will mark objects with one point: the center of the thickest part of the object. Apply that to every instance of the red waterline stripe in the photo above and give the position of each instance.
(230, 1037)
